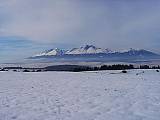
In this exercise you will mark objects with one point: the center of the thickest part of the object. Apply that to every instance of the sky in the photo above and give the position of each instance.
(28, 27)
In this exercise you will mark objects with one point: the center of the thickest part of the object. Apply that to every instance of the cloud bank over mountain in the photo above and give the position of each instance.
(105, 23)
(99, 22)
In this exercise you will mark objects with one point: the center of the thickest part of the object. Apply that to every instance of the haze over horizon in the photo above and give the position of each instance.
(28, 27)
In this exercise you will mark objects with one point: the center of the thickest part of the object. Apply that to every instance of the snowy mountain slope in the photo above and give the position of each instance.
(88, 49)
(139, 52)
(105, 95)
(51, 52)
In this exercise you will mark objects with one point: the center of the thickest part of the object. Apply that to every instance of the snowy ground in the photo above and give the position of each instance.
(105, 95)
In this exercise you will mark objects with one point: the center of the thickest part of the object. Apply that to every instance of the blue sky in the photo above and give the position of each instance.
(30, 26)
(15, 49)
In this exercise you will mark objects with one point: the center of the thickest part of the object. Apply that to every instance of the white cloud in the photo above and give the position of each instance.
(106, 23)
(41, 20)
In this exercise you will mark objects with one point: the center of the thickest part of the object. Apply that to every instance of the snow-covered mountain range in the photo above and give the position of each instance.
(90, 49)
(87, 49)
(90, 52)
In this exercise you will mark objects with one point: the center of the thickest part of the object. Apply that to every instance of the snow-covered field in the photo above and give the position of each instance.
(105, 95)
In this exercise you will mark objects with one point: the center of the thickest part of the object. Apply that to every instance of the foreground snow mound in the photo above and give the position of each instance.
(106, 95)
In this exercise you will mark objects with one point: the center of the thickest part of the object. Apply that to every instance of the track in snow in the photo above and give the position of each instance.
(80, 96)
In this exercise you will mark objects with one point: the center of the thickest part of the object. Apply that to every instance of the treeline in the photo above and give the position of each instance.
(149, 67)
(105, 67)
(115, 67)
(77, 68)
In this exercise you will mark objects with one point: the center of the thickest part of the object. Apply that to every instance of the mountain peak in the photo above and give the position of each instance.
(51, 52)
(88, 46)
(88, 49)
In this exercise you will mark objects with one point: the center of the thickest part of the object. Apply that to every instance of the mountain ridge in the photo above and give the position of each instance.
(92, 53)
(87, 49)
